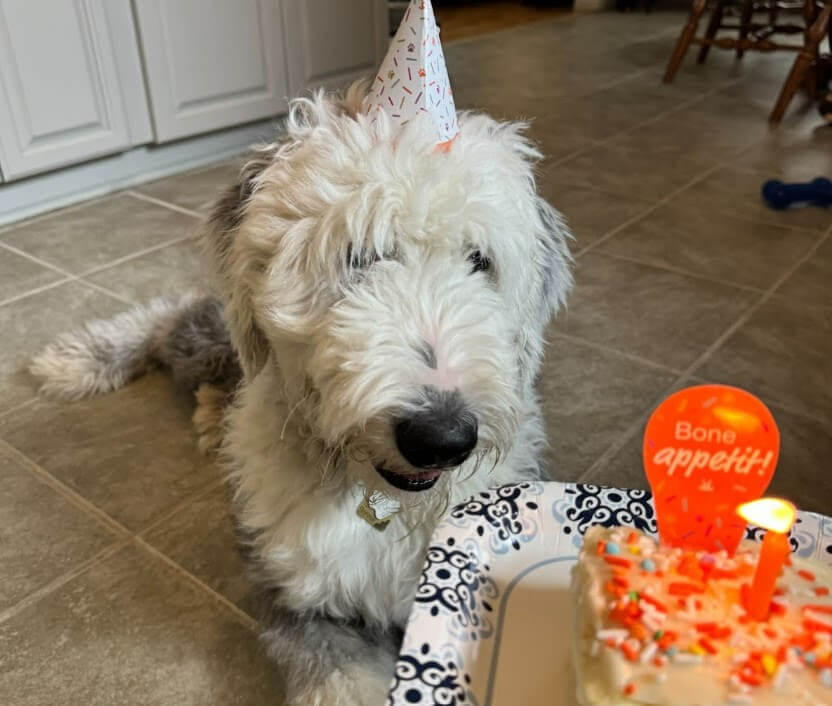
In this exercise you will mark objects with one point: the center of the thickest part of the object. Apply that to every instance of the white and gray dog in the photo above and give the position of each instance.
(379, 327)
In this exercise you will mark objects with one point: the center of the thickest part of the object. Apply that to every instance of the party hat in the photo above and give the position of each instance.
(413, 78)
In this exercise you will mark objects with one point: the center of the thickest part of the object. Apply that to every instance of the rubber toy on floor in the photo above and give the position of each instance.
(817, 192)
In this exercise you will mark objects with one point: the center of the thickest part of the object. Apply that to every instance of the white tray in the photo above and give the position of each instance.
(491, 623)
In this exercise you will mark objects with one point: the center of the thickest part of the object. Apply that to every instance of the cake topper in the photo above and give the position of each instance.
(707, 450)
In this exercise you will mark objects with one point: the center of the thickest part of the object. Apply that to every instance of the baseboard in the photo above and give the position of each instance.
(46, 192)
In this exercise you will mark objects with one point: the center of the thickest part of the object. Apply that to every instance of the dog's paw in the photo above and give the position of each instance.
(349, 686)
(208, 417)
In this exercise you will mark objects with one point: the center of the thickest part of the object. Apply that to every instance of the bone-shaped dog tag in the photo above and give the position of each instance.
(377, 509)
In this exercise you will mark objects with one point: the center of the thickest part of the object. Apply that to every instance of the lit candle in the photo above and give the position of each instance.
(777, 517)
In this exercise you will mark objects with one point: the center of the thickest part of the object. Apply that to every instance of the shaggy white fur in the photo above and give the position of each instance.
(350, 261)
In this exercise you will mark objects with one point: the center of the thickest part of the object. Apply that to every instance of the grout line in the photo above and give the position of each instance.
(136, 254)
(18, 407)
(65, 491)
(106, 292)
(80, 278)
(680, 271)
(165, 204)
(207, 489)
(682, 105)
(35, 259)
(241, 615)
(621, 226)
(687, 373)
(614, 351)
(749, 312)
(36, 290)
(60, 211)
(122, 538)
(63, 579)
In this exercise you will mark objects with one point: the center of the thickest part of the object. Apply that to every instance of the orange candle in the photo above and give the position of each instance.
(776, 517)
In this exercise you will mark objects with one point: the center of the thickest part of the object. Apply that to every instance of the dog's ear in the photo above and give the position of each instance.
(553, 259)
(237, 266)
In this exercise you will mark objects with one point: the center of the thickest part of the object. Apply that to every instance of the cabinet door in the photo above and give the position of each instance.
(331, 42)
(61, 94)
(212, 63)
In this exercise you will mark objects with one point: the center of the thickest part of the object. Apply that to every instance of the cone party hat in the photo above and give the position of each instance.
(413, 78)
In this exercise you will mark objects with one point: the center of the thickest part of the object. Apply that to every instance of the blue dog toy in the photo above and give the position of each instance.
(817, 192)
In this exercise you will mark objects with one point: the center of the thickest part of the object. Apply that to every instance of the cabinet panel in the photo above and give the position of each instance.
(212, 63)
(331, 42)
(60, 96)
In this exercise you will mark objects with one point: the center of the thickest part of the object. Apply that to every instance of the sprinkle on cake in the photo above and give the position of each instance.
(661, 625)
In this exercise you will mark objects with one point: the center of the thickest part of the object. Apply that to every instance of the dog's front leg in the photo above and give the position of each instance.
(330, 662)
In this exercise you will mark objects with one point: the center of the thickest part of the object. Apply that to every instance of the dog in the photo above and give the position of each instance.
(376, 332)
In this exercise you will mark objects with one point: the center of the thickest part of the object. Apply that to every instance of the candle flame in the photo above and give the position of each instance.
(769, 513)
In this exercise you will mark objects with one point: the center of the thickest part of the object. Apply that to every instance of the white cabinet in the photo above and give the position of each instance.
(70, 83)
(212, 63)
(330, 42)
(81, 79)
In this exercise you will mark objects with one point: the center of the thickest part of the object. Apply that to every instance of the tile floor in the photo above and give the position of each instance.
(119, 582)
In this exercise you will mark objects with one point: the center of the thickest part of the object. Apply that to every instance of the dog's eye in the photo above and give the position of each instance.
(479, 262)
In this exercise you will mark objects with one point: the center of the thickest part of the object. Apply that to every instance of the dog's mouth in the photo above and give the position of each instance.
(411, 482)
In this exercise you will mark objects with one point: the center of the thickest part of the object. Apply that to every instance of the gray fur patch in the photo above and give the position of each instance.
(309, 646)
(197, 348)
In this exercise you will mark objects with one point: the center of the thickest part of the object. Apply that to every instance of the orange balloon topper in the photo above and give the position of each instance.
(708, 449)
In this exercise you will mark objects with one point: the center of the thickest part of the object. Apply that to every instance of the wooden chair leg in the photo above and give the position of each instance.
(745, 23)
(803, 62)
(713, 26)
(682, 44)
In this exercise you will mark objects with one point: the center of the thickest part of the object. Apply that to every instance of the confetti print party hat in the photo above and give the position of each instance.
(413, 78)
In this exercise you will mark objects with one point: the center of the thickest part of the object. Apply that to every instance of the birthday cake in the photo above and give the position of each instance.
(667, 626)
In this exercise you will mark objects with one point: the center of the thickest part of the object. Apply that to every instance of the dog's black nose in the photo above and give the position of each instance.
(441, 435)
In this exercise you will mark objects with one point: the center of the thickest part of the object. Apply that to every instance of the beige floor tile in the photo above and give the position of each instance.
(170, 270)
(805, 447)
(30, 323)
(589, 214)
(99, 233)
(589, 398)
(132, 631)
(737, 191)
(19, 275)
(201, 539)
(643, 174)
(783, 354)
(712, 244)
(792, 155)
(42, 535)
(662, 316)
(624, 470)
(811, 283)
(132, 453)
(593, 115)
(194, 190)
(685, 135)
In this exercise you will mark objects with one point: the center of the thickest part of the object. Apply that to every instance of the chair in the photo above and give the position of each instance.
(761, 36)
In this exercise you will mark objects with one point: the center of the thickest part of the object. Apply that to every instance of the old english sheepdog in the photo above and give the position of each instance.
(377, 329)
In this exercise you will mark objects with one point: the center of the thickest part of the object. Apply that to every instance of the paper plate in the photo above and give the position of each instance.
(492, 620)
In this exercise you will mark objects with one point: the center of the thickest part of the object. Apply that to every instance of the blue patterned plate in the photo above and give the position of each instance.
(492, 619)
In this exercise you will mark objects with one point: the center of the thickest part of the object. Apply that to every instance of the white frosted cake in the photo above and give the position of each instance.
(657, 625)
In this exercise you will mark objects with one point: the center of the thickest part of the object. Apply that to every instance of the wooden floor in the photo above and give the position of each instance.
(467, 20)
